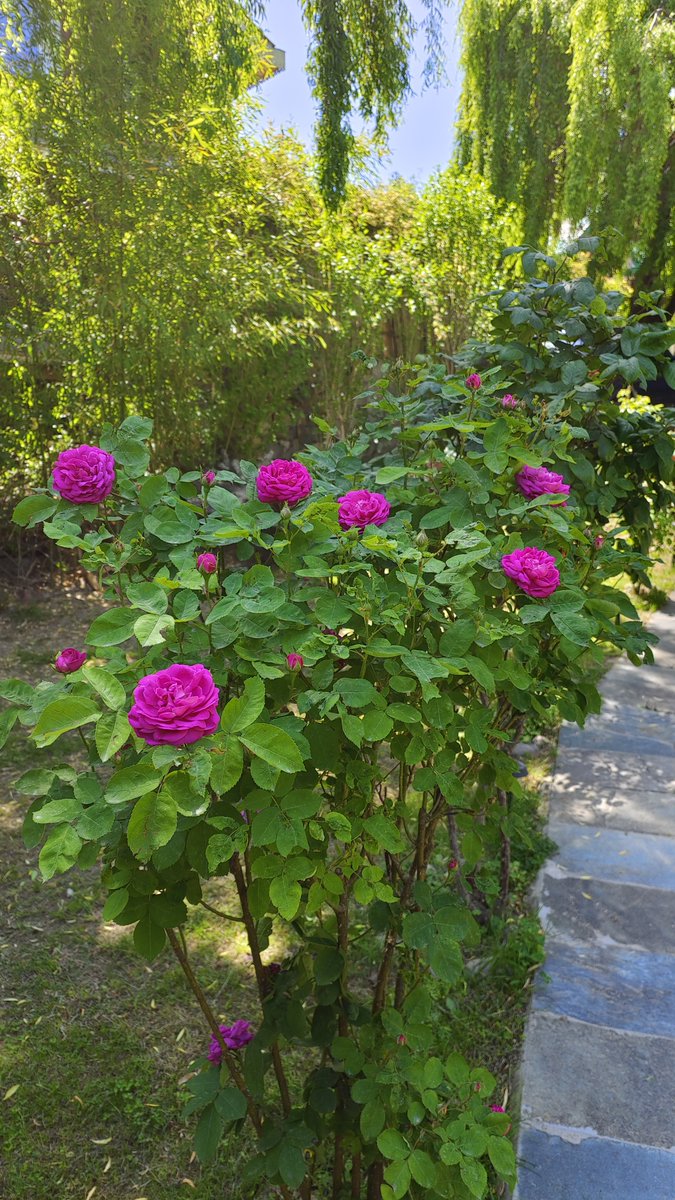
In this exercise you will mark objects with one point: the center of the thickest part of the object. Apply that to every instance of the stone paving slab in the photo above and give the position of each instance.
(617, 808)
(607, 914)
(594, 1169)
(604, 770)
(605, 985)
(599, 1080)
(651, 687)
(614, 855)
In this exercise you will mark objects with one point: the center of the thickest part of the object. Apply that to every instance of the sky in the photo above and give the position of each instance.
(423, 140)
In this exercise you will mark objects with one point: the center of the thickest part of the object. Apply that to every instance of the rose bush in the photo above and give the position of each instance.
(326, 721)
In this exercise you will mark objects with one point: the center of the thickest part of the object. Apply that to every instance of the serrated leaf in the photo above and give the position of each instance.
(150, 629)
(69, 712)
(152, 824)
(108, 687)
(241, 712)
(112, 731)
(274, 746)
(59, 851)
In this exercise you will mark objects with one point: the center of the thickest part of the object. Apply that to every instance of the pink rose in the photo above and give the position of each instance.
(497, 1108)
(283, 481)
(70, 660)
(234, 1036)
(176, 706)
(539, 481)
(209, 477)
(295, 662)
(474, 382)
(208, 563)
(361, 508)
(509, 401)
(533, 570)
(84, 475)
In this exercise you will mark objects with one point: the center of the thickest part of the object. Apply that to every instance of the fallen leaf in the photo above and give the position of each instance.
(90, 1193)
(586, 896)
(101, 1141)
(107, 1166)
(11, 1091)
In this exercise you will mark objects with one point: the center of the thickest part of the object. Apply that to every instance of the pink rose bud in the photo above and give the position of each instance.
(283, 481)
(599, 541)
(84, 475)
(70, 660)
(509, 401)
(539, 481)
(175, 707)
(402, 1039)
(453, 864)
(209, 477)
(295, 662)
(474, 382)
(207, 563)
(497, 1108)
(533, 570)
(360, 508)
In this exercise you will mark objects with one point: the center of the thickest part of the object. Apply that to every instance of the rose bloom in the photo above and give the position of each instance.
(295, 662)
(235, 1036)
(474, 382)
(70, 660)
(84, 475)
(175, 707)
(207, 562)
(361, 508)
(283, 481)
(533, 570)
(209, 477)
(539, 481)
(509, 401)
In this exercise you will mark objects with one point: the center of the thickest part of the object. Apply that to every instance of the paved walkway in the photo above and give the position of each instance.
(598, 1078)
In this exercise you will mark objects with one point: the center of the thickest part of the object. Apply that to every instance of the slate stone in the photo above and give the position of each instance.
(617, 808)
(603, 985)
(595, 912)
(594, 1169)
(648, 687)
(577, 772)
(614, 1084)
(613, 855)
(610, 736)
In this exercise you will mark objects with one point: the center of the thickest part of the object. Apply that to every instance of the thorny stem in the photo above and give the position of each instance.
(259, 969)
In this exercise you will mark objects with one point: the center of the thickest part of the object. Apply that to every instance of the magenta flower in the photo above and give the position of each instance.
(453, 864)
(599, 541)
(533, 570)
(84, 475)
(360, 508)
(175, 707)
(235, 1036)
(209, 477)
(474, 382)
(207, 563)
(295, 662)
(283, 481)
(539, 481)
(70, 660)
(509, 401)
(497, 1108)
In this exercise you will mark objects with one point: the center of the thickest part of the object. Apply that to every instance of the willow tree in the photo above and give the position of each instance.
(567, 110)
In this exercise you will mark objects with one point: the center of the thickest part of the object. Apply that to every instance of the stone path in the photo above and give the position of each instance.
(598, 1076)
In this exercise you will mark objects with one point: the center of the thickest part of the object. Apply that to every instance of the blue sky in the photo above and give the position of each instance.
(424, 138)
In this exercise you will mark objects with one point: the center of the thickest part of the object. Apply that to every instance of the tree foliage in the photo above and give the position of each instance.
(567, 110)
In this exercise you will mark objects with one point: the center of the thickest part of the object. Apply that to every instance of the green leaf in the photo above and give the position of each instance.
(59, 851)
(67, 808)
(231, 1104)
(422, 1169)
(291, 1164)
(115, 904)
(328, 965)
(286, 894)
(35, 783)
(149, 938)
(167, 912)
(474, 1176)
(130, 782)
(391, 474)
(8, 720)
(502, 1157)
(274, 746)
(178, 787)
(108, 687)
(573, 626)
(172, 526)
(70, 712)
(152, 824)
(149, 596)
(376, 725)
(17, 691)
(112, 627)
(242, 711)
(112, 731)
(227, 767)
(356, 693)
(34, 509)
(371, 1121)
(151, 628)
(397, 1175)
(393, 1145)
